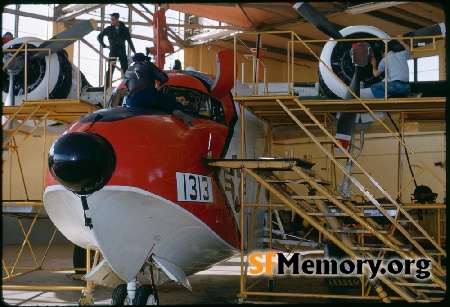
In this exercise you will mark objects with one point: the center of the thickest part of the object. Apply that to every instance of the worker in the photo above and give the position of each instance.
(140, 81)
(117, 34)
(181, 99)
(7, 37)
(398, 71)
(177, 65)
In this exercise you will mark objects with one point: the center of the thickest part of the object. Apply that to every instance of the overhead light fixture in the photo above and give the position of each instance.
(372, 6)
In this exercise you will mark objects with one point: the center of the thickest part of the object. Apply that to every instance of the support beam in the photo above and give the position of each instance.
(146, 38)
(26, 14)
(130, 18)
(70, 16)
(394, 19)
(101, 68)
(425, 21)
(77, 7)
(174, 37)
(16, 22)
(247, 17)
(58, 10)
(436, 5)
(131, 7)
(95, 49)
(175, 25)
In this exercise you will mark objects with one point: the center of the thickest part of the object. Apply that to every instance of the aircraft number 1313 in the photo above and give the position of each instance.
(193, 187)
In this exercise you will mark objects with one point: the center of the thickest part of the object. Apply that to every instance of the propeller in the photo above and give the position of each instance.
(16, 65)
(78, 31)
(346, 122)
(316, 19)
(434, 30)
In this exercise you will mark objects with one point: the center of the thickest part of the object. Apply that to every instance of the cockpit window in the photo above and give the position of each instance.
(197, 102)
(116, 99)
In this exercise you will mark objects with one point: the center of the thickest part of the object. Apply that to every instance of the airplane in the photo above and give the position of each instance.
(131, 183)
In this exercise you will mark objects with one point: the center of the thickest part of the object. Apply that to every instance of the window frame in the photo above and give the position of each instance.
(415, 67)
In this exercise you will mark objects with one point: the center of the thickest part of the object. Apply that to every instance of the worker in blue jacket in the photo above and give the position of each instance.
(117, 33)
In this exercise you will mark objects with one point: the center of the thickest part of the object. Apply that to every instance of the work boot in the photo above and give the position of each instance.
(184, 117)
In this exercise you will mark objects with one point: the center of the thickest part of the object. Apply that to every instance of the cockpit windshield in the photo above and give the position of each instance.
(197, 102)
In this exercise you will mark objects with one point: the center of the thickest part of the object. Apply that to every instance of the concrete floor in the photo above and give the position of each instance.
(218, 285)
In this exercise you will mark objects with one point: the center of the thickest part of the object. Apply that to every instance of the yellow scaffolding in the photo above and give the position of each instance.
(21, 122)
(404, 237)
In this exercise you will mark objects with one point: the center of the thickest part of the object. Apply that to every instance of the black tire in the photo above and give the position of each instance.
(119, 295)
(142, 295)
(79, 258)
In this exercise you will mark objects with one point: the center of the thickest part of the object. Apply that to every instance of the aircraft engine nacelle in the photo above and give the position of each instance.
(336, 55)
(56, 72)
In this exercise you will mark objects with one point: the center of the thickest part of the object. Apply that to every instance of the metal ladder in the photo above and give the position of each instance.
(396, 227)
(327, 207)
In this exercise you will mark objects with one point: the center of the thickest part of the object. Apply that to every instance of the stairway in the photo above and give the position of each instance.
(341, 221)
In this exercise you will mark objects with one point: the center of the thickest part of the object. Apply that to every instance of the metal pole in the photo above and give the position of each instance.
(48, 78)
(16, 22)
(26, 71)
(386, 71)
(241, 194)
(234, 66)
(100, 68)
(130, 16)
(79, 73)
(402, 154)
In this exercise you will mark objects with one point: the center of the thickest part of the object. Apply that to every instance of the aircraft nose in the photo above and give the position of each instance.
(82, 162)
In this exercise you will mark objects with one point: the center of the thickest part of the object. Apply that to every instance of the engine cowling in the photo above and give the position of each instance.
(336, 55)
(55, 70)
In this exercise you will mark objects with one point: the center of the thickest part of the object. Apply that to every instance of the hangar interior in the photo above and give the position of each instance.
(277, 54)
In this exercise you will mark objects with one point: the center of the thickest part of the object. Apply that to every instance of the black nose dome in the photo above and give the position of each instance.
(82, 162)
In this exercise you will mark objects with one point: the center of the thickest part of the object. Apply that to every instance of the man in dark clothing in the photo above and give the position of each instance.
(117, 34)
(177, 65)
(140, 81)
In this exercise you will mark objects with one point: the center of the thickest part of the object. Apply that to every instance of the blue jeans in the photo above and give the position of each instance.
(116, 52)
(394, 88)
(152, 98)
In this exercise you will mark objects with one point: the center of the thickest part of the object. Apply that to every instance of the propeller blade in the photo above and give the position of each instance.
(78, 31)
(14, 67)
(436, 29)
(10, 98)
(316, 19)
(346, 123)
